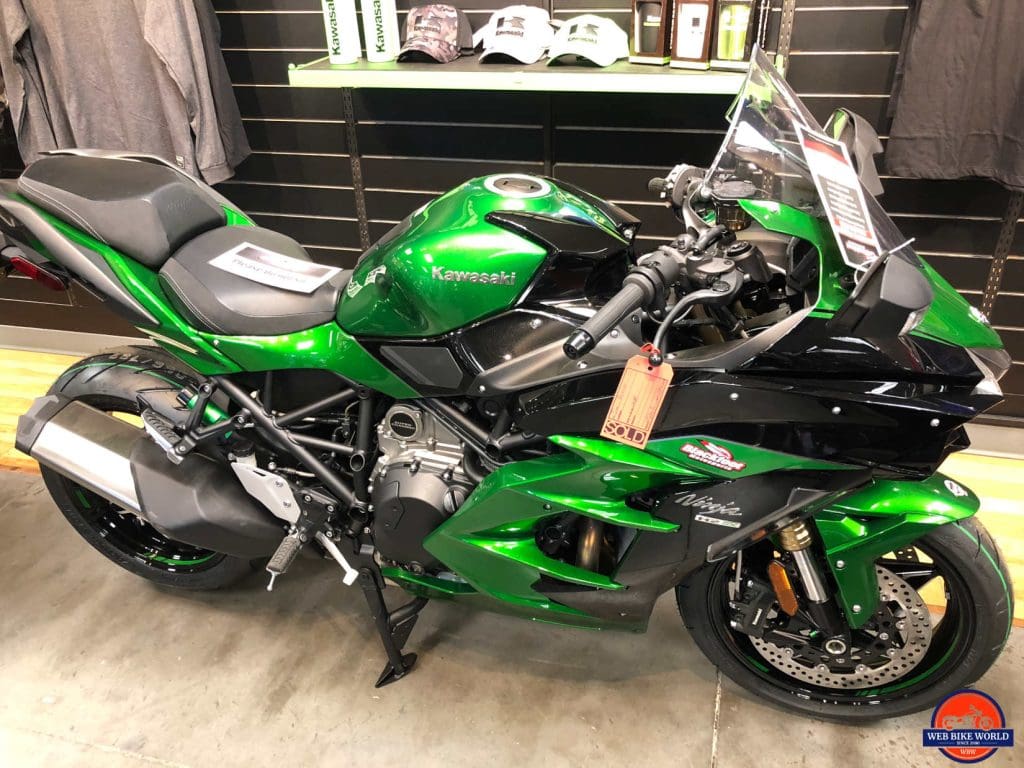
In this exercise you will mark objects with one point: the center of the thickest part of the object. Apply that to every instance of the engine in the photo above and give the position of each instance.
(418, 483)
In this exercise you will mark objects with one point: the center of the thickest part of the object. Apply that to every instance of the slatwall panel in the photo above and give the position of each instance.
(417, 144)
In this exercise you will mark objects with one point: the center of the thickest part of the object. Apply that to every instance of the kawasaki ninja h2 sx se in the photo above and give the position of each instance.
(505, 404)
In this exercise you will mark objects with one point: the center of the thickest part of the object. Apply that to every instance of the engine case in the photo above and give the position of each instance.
(418, 484)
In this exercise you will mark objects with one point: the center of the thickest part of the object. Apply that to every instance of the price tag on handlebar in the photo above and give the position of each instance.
(637, 401)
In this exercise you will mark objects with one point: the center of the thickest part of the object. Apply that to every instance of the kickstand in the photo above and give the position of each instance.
(393, 627)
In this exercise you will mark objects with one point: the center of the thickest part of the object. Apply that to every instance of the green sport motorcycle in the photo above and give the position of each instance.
(460, 415)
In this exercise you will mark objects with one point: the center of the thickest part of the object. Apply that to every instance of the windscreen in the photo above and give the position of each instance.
(763, 158)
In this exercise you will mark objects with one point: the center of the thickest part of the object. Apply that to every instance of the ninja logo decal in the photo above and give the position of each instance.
(713, 455)
(708, 504)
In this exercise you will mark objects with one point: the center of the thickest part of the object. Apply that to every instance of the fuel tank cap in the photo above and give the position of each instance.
(519, 185)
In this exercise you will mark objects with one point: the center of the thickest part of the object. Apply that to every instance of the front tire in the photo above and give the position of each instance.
(116, 382)
(967, 640)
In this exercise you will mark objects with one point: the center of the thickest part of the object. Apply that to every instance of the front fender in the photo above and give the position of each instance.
(879, 518)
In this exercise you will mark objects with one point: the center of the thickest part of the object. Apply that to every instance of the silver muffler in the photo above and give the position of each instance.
(86, 445)
(198, 501)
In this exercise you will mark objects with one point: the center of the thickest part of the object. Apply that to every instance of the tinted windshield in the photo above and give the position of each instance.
(762, 157)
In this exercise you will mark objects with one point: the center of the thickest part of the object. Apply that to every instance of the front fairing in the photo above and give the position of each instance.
(762, 157)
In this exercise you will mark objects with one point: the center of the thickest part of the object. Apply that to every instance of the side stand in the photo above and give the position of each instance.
(392, 626)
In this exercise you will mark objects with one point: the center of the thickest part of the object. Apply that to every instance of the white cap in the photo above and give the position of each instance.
(590, 37)
(520, 32)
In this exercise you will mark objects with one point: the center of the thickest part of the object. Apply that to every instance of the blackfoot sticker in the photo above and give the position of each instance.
(713, 455)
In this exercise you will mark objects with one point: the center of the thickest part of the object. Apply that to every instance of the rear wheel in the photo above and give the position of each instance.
(114, 382)
(945, 612)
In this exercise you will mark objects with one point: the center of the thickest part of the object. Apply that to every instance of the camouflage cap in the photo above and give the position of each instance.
(436, 32)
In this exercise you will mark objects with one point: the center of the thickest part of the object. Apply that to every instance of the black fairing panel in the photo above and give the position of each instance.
(910, 427)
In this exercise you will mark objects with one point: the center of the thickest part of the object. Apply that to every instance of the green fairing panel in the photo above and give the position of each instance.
(786, 220)
(490, 541)
(235, 218)
(326, 346)
(881, 518)
(951, 319)
(446, 266)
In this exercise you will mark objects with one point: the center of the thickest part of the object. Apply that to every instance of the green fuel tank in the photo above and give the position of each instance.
(474, 252)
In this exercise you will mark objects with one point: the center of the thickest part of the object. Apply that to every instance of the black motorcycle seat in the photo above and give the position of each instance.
(221, 302)
(144, 210)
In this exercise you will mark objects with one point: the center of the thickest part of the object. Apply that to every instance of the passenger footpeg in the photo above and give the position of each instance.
(163, 434)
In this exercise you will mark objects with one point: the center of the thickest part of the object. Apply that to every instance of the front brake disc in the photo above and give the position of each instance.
(914, 636)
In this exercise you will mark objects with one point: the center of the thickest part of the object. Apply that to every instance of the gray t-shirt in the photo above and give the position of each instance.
(137, 75)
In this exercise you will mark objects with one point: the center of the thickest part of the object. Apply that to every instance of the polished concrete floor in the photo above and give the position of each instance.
(99, 668)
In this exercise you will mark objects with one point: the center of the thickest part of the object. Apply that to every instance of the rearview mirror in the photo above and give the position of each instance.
(863, 144)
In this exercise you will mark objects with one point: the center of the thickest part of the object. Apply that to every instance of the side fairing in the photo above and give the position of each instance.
(710, 492)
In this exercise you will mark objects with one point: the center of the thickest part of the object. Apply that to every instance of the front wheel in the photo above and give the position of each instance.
(945, 613)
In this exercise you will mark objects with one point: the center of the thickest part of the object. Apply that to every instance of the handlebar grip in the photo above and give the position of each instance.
(631, 298)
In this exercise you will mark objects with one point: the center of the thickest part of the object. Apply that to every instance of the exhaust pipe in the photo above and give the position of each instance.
(198, 502)
(86, 445)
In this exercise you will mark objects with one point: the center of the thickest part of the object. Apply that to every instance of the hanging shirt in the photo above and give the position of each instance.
(137, 75)
(959, 98)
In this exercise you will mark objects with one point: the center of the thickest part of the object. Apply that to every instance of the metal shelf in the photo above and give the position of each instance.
(469, 74)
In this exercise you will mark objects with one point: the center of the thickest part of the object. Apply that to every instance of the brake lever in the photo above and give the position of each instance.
(720, 292)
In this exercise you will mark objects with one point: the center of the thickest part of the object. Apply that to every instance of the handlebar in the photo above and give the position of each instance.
(644, 286)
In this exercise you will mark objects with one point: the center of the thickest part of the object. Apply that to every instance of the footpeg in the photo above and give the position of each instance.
(283, 557)
(163, 434)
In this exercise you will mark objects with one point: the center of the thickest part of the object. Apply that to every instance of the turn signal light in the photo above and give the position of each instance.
(39, 274)
(783, 587)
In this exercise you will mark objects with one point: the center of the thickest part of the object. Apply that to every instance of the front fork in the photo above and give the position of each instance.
(857, 529)
(821, 606)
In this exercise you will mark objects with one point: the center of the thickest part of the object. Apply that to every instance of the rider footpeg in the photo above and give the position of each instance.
(283, 557)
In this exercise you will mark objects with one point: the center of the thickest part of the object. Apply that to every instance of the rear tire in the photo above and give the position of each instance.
(977, 579)
(114, 382)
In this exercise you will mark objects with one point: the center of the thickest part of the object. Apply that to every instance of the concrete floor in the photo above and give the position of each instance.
(100, 668)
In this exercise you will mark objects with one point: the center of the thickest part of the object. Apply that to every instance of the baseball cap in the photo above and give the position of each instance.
(593, 38)
(519, 32)
(436, 32)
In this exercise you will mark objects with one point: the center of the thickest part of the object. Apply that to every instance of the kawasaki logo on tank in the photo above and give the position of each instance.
(461, 276)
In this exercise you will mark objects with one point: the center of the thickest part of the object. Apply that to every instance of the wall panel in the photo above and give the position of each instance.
(417, 144)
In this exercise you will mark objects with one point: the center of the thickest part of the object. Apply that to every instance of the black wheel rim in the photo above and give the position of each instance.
(949, 644)
(132, 536)
(126, 532)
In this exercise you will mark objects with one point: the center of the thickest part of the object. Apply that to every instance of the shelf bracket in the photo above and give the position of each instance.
(356, 162)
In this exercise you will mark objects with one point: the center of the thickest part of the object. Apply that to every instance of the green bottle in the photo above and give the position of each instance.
(733, 22)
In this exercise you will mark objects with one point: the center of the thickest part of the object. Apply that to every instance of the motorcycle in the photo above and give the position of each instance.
(436, 420)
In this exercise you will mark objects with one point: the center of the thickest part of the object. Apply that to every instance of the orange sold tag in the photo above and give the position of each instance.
(637, 402)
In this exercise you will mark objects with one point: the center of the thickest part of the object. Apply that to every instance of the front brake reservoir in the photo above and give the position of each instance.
(728, 212)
